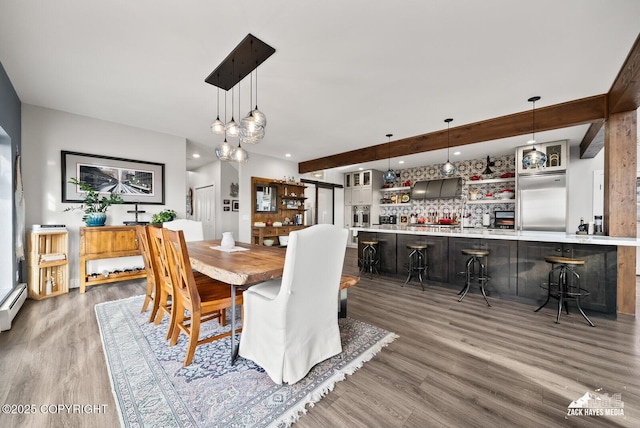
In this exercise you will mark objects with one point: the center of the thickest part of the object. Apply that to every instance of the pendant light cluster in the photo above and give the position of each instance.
(242, 61)
(448, 169)
(390, 175)
(534, 158)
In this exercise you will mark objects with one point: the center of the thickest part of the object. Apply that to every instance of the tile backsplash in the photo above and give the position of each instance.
(464, 169)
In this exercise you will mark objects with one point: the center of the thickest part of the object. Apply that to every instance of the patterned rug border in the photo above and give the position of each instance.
(287, 418)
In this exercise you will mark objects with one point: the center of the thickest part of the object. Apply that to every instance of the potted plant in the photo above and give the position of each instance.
(163, 216)
(94, 206)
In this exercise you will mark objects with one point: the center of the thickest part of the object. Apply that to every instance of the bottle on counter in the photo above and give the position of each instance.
(582, 227)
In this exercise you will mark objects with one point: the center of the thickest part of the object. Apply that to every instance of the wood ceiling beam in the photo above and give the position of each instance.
(624, 94)
(572, 113)
(593, 140)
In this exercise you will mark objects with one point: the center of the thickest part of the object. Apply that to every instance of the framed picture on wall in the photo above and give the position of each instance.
(138, 182)
(226, 202)
(235, 205)
(226, 208)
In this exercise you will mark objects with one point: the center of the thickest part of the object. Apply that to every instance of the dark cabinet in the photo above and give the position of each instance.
(386, 249)
(533, 270)
(501, 263)
(457, 260)
(437, 255)
(598, 275)
(503, 267)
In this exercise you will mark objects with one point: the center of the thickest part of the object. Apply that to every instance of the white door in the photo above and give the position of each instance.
(204, 207)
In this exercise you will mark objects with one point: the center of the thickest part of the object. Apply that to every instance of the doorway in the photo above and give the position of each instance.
(6, 206)
(204, 207)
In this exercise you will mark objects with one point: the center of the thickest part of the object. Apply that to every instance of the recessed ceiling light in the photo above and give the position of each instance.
(288, 155)
(400, 162)
(196, 156)
(456, 153)
(360, 169)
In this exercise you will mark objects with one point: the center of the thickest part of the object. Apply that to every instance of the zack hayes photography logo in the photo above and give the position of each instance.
(594, 404)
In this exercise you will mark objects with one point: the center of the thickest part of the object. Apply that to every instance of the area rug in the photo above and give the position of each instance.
(152, 389)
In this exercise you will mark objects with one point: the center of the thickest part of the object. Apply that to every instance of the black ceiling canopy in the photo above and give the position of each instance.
(246, 57)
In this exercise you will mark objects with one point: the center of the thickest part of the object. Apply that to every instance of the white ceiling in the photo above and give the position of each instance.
(345, 73)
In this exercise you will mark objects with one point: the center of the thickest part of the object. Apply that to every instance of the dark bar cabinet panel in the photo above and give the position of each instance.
(437, 255)
(598, 275)
(387, 248)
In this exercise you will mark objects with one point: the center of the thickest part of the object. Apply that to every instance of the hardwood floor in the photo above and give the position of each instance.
(454, 364)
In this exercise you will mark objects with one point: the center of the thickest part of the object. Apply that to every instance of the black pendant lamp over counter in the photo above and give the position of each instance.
(390, 175)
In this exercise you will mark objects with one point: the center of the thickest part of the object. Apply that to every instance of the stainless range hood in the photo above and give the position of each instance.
(433, 189)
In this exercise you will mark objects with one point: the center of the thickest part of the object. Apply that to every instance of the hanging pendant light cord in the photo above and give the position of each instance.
(533, 120)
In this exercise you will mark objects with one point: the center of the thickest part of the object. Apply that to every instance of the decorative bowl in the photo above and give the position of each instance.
(268, 242)
(444, 221)
(506, 195)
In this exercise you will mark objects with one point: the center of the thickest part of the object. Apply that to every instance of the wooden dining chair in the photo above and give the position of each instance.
(203, 301)
(163, 276)
(152, 294)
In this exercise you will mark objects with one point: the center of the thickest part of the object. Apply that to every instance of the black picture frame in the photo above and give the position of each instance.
(226, 201)
(226, 208)
(142, 182)
(235, 205)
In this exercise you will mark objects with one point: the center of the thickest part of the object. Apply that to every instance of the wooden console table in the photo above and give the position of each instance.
(259, 234)
(104, 242)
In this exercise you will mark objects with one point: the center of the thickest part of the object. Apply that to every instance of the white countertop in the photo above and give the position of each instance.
(508, 235)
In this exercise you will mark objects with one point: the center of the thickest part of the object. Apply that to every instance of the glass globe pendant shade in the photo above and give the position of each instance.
(448, 169)
(231, 128)
(239, 155)
(534, 159)
(389, 176)
(250, 132)
(259, 117)
(223, 151)
(217, 127)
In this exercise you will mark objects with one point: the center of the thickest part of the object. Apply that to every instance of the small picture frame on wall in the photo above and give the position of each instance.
(235, 205)
(404, 219)
(226, 208)
(226, 202)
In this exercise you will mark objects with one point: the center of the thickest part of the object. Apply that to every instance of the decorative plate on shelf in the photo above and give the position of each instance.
(405, 198)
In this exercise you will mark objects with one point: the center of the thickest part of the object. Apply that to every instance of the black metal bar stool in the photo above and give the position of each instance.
(470, 272)
(370, 257)
(417, 262)
(567, 287)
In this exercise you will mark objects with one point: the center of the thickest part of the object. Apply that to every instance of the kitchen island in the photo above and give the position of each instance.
(516, 262)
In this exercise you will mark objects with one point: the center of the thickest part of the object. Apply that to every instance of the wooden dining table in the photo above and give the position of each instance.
(244, 268)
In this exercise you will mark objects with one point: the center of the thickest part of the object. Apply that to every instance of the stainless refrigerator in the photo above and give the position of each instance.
(542, 202)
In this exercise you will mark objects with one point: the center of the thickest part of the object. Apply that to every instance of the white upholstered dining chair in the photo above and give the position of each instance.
(191, 229)
(291, 324)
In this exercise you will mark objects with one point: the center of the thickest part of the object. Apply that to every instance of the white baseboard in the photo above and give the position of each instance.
(12, 305)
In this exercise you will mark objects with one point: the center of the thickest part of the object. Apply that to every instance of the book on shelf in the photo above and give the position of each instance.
(41, 228)
(52, 257)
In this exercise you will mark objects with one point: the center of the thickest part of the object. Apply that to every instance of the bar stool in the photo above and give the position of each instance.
(470, 272)
(370, 258)
(417, 262)
(567, 287)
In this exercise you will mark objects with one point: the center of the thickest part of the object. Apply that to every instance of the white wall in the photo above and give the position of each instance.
(580, 187)
(46, 132)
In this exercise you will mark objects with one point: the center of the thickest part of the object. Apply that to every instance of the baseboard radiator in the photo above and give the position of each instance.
(12, 305)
